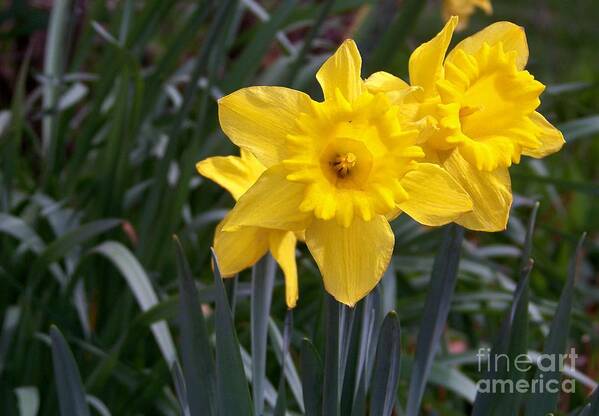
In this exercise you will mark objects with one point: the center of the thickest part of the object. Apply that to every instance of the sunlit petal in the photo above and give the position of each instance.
(342, 72)
(351, 259)
(435, 198)
(260, 118)
(272, 202)
(491, 194)
(282, 248)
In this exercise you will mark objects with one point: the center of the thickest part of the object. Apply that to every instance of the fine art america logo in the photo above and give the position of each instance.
(511, 375)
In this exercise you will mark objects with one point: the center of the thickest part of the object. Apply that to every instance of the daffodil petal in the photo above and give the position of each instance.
(491, 194)
(237, 250)
(342, 71)
(260, 118)
(512, 36)
(384, 82)
(235, 174)
(426, 62)
(351, 259)
(551, 138)
(435, 198)
(282, 248)
(272, 202)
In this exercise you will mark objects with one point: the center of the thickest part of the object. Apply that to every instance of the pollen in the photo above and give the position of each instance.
(343, 164)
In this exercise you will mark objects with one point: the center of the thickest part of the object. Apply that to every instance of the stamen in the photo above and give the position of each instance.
(344, 163)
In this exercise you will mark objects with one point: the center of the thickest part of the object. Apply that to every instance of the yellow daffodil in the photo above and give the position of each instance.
(239, 249)
(476, 108)
(339, 169)
(464, 9)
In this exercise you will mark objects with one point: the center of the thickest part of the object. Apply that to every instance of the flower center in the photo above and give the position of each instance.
(343, 164)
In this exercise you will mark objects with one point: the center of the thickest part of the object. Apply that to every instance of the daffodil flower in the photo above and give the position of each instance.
(476, 109)
(239, 249)
(464, 9)
(339, 169)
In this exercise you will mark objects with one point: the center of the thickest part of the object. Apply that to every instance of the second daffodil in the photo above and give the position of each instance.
(340, 169)
(477, 111)
(464, 9)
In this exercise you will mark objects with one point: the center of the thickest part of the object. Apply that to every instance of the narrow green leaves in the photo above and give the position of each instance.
(330, 392)
(263, 280)
(71, 396)
(55, 53)
(541, 403)
(385, 377)
(198, 360)
(141, 287)
(507, 344)
(443, 279)
(233, 396)
(311, 374)
(580, 128)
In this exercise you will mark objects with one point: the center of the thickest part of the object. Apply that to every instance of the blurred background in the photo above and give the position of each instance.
(105, 106)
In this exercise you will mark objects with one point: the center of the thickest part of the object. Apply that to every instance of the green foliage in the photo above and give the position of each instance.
(99, 134)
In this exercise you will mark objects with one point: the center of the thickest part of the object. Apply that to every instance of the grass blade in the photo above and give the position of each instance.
(141, 287)
(60, 247)
(393, 38)
(330, 392)
(281, 404)
(71, 396)
(181, 389)
(249, 61)
(385, 377)
(198, 359)
(263, 280)
(53, 69)
(233, 395)
(442, 285)
(28, 400)
(580, 128)
(541, 403)
(512, 326)
(10, 322)
(291, 374)
(311, 374)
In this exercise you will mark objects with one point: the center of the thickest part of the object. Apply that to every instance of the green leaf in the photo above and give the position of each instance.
(263, 280)
(198, 360)
(586, 411)
(233, 395)
(584, 187)
(541, 403)
(28, 400)
(281, 404)
(594, 400)
(391, 42)
(71, 396)
(311, 375)
(54, 62)
(61, 246)
(291, 375)
(180, 389)
(580, 128)
(385, 377)
(330, 392)
(508, 343)
(250, 59)
(12, 314)
(438, 301)
(141, 287)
